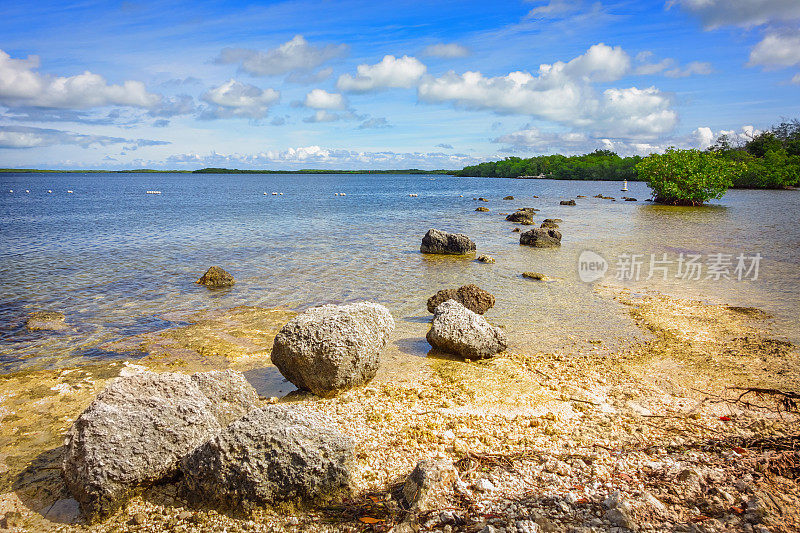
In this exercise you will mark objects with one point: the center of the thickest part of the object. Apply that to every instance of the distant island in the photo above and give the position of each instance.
(226, 171)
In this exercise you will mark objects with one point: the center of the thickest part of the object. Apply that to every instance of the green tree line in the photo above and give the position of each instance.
(598, 165)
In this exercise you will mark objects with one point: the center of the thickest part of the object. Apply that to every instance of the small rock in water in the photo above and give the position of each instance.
(508, 198)
(541, 238)
(45, 320)
(482, 199)
(441, 242)
(538, 276)
(515, 230)
(568, 202)
(482, 209)
(215, 278)
(486, 259)
(470, 296)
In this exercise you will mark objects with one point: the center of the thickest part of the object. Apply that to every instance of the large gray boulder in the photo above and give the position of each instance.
(459, 331)
(541, 238)
(272, 454)
(470, 296)
(441, 242)
(231, 395)
(139, 427)
(333, 347)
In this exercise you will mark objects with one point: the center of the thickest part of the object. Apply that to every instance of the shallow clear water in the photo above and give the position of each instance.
(115, 259)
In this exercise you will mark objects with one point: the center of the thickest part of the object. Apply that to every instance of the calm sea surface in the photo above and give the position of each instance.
(115, 259)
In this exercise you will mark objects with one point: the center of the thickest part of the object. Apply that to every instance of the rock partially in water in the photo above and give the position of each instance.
(231, 395)
(486, 259)
(568, 202)
(46, 320)
(509, 197)
(216, 278)
(482, 199)
(522, 216)
(541, 238)
(276, 453)
(429, 485)
(441, 242)
(549, 225)
(538, 276)
(470, 296)
(552, 221)
(515, 230)
(459, 331)
(482, 209)
(134, 433)
(332, 348)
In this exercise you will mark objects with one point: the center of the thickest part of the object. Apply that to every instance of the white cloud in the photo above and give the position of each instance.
(374, 123)
(649, 69)
(562, 92)
(445, 50)
(554, 8)
(319, 157)
(795, 79)
(390, 72)
(532, 138)
(323, 116)
(777, 50)
(26, 137)
(237, 99)
(20, 85)
(291, 56)
(695, 67)
(744, 13)
(322, 99)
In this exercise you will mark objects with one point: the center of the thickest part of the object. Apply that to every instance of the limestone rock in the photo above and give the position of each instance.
(441, 242)
(541, 238)
(333, 347)
(470, 296)
(459, 331)
(216, 278)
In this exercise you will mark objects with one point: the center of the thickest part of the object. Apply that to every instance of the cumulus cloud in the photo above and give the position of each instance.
(390, 72)
(445, 50)
(695, 67)
(294, 55)
(237, 99)
(21, 85)
(744, 13)
(319, 157)
(562, 92)
(532, 138)
(777, 50)
(374, 123)
(26, 137)
(323, 115)
(322, 99)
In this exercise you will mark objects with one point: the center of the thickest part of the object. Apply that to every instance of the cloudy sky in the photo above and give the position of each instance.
(357, 84)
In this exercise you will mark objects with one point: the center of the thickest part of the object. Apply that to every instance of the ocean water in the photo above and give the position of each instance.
(115, 260)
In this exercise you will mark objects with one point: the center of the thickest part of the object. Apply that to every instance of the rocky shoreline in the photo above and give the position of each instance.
(647, 438)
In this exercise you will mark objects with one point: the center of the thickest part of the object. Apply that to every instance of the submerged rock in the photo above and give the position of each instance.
(541, 238)
(134, 433)
(46, 320)
(216, 278)
(538, 276)
(333, 347)
(509, 197)
(441, 242)
(459, 331)
(482, 209)
(522, 216)
(276, 453)
(482, 199)
(486, 259)
(568, 202)
(551, 225)
(470, 296)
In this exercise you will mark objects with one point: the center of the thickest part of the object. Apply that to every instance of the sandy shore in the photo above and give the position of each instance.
(647, 437)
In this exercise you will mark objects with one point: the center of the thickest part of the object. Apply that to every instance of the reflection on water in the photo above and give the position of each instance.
(116, 260)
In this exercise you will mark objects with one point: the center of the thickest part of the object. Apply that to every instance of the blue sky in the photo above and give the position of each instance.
(323, 84)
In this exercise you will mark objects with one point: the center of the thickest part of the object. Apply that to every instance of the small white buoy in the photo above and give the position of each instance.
(265, 193)
(336, 194)
(69, 192)
(413, 195)
(281, 194)
(27, 191)
(342, 194)
(11, 190)
(274, 194)
(49, 191)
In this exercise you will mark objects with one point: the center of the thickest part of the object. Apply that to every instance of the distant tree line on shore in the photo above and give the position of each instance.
(211, 170)
(768, 160)
(598, 165)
